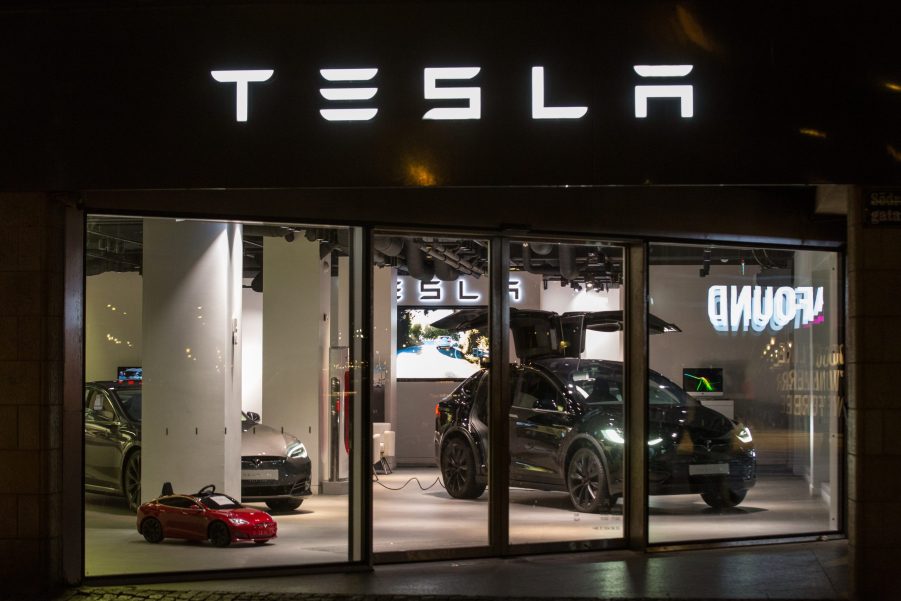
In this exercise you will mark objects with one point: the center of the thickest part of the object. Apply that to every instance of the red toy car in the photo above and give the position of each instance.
(201, 516)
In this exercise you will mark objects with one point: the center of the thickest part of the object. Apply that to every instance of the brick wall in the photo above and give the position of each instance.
(874, 407)
(31, 299)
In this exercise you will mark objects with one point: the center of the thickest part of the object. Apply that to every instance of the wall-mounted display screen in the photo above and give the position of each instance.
(425, 352)
(129, 374)
(703, 381)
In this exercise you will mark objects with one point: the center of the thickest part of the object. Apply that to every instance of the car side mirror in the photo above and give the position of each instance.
(253, 416)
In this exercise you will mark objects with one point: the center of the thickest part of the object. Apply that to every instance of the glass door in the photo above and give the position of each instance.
(565, 409)
(429, 406)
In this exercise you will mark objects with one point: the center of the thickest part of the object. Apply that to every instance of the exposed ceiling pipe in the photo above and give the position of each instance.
(540, 248)
(416, 263)
(543, 269)
(444, 272)
(388, 245)
(568, 267)
(438, 251)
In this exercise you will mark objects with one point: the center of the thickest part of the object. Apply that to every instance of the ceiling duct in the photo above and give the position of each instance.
(388, 246)
(542, 268)
(416, 262)
(568, 267)
(540, 248)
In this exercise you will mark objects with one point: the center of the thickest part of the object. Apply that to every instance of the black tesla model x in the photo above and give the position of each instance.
(566, 423)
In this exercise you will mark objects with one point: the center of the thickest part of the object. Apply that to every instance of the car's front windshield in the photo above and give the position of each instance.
(130, 399)
(595, 386)
(218, 501)
(662, 392)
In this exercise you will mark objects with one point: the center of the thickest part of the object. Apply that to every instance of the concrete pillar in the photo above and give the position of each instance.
(384, 337)
(191, 422)
(295, 340)
(874, 406)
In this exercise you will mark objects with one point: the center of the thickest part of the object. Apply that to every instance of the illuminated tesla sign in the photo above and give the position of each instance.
(358, 85)
(756, 308)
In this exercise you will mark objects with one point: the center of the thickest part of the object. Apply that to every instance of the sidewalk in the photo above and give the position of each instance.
(816, 571)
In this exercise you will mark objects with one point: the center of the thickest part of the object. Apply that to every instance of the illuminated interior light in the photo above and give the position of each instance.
(813, 133)
(420, 175)
(242, 78)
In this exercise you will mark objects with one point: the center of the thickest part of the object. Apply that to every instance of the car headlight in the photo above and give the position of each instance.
(296, 449)
(238, 521)
(613, 435)
(744, 435)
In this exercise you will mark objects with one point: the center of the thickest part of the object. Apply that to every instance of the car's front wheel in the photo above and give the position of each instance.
(284, 504)
(458, 468)
(152, 530)
(723, 497)
(219, 534)
(131, 479)
(586, 481)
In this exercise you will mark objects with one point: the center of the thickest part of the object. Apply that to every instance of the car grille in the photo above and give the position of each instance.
(262, 463)
(291, 479)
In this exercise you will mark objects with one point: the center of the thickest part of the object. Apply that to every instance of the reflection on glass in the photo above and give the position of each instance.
(566, 414)
(749, 444)
(204, 389)
(430, 393)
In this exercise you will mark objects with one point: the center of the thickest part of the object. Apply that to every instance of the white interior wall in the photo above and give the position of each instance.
(113, 337)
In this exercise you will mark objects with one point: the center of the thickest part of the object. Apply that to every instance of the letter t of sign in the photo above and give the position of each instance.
(684, 93)
(242, 77)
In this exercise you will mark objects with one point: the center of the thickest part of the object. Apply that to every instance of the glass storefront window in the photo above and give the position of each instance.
(430, 392)
(207, 389)
(745, 397)
(566, 412)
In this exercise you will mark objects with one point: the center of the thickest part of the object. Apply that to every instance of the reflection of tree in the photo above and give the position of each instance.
(474, 346)
(410, 333)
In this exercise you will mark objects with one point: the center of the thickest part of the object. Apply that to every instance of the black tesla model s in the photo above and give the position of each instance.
(566, 426)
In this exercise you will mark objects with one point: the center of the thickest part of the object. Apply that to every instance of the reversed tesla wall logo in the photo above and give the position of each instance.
(733, 309)
(469, 96)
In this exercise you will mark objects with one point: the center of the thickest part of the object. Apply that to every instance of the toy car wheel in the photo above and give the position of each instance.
(152, 530)
(219, 534)
(131, 480)
(284, 504)
(458, 467)
(587, 481)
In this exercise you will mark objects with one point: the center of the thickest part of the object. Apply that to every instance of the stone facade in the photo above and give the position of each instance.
(32, 258)
(874, 406)
(31, 313)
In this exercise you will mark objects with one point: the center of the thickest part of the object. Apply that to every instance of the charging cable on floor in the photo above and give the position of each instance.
(375, 478)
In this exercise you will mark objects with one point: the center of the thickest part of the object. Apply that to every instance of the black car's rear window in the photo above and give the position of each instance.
(130, 399)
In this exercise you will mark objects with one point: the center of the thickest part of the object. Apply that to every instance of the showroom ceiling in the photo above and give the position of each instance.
(115, 244)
